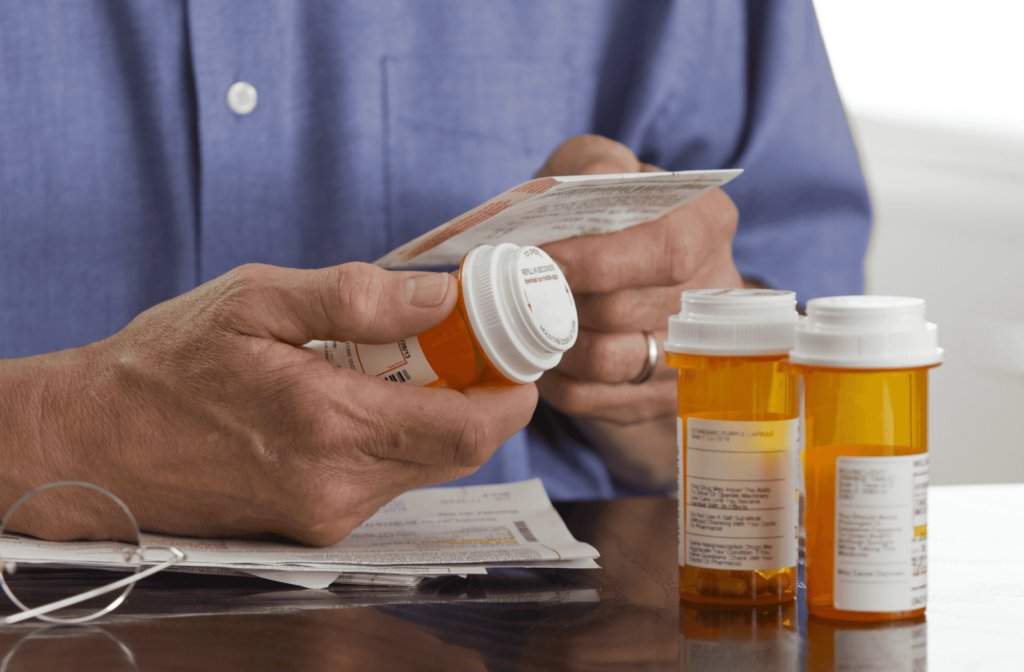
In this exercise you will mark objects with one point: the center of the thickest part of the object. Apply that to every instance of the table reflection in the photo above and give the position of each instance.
(754, 639)
(345, 639)
(782, 638)
(900, 646)
(78, 647)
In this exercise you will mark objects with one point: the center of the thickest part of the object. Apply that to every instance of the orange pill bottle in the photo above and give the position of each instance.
(738, 435)
(514, 319)
(864, 361)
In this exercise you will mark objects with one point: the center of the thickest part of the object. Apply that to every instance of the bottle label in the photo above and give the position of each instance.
(401, 362)
(881, 533)
(741, 494)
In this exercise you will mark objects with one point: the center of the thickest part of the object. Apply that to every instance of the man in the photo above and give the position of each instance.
(151, 148)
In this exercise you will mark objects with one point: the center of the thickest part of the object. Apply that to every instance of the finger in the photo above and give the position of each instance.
(648, 308)
(623, 403)
(590, 155)
(628, 310)
(436, 427)
(667, 251)
(613, 358)
(351, 302)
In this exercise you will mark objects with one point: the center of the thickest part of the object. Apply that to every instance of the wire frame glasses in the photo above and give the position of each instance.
(133, 557)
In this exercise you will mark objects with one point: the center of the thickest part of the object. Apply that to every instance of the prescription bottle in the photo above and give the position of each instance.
(864, 362)
(514, 319)
(737, 435)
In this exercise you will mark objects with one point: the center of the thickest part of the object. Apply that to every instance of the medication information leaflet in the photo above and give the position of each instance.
(425, 532)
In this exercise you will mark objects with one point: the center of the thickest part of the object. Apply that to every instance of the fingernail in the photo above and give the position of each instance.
(428, 290)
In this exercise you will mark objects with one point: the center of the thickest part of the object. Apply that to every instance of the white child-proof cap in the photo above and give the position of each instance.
(520, 308)
(733, 322)
(866, 332)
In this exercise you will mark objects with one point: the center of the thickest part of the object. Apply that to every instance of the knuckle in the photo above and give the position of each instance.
(331, 299)
(233, 297)
(678, 256)
(687, 245)
(248, 275)
(608, 360)
(599, 144)
(592, 154)
(476, 443)
(362, 295)
(727, 214)
(620, 311)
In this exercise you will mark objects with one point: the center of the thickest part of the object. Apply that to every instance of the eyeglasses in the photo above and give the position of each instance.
(132, 557)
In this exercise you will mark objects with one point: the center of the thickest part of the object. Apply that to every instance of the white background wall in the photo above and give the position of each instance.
(935, 94)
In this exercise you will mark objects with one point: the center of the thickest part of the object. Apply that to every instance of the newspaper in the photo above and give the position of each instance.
(429, 532)
(555, 208)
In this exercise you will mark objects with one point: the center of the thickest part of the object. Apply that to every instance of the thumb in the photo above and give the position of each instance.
(590, 155)
(351, 302)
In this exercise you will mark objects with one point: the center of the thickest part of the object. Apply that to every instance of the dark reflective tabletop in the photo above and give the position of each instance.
(625, 616)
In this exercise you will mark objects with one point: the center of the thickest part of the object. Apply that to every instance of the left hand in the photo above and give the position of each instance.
(629, 282)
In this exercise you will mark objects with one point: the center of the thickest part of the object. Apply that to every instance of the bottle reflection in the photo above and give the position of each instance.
(753, 639)
(900, 646)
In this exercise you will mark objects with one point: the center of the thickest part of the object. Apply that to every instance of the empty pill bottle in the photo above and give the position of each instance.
(514, 319)
(864, 362)
(738, 433)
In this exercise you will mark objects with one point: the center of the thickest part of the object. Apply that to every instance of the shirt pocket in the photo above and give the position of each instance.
(461, 129)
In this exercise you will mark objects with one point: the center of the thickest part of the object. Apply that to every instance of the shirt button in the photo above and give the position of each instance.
(242, 97)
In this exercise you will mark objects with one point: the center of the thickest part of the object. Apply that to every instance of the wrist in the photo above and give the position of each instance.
(45, 408)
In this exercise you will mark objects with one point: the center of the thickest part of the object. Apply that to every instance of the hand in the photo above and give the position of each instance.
(625, 283)
(206, 417)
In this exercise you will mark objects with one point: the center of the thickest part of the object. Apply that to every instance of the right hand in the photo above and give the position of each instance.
(207, 419)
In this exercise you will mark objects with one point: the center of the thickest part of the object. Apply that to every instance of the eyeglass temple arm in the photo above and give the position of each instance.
(96, 592)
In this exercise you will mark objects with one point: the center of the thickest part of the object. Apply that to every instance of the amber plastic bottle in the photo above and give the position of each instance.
(864, 362)
(514, 319)
(738, 433)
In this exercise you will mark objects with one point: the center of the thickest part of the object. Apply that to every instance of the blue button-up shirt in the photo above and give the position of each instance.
(126, 178)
